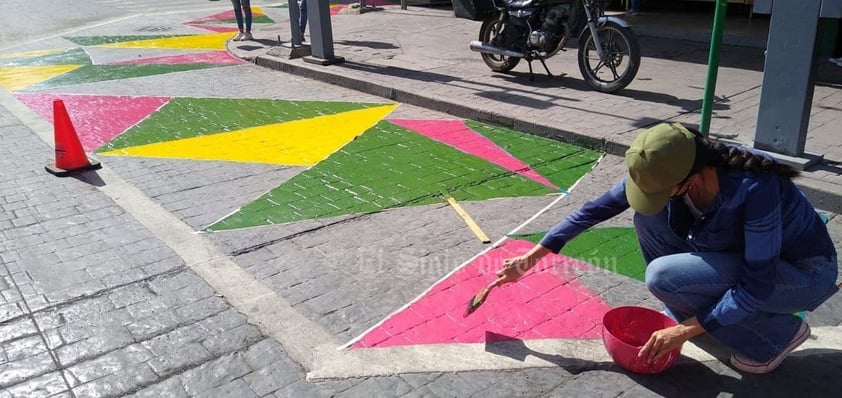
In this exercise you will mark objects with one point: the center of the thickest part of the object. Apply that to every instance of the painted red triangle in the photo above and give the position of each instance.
(225, 15)
(209, 57)
(213, 28)
(548, 302)
(97, 118)
(456, 134)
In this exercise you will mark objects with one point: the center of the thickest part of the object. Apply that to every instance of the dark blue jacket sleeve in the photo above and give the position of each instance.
(603, 208)
(763, 236)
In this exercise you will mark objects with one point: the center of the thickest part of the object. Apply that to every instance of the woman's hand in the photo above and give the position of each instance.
(514, 268)
(665, 340)
(662, 342)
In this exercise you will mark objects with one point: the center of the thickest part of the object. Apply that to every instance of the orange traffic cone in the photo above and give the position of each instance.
(70, 157)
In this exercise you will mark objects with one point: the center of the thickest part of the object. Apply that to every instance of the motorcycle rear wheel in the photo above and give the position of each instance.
(492, 28)
(622, 49)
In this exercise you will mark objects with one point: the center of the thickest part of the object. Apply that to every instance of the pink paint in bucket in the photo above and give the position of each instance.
(624, 332)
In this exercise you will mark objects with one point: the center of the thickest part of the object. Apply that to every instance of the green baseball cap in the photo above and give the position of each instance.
(658, 159)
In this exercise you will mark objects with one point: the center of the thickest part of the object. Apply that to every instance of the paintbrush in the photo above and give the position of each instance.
(480, 297)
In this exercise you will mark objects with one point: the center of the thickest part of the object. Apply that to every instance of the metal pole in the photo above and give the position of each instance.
(713, 64)
(321, 34)
(294, 16)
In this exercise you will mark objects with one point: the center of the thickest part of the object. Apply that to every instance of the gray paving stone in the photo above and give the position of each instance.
(12, 373)
(232, 339)
(170, 388)
(93, 346)
(153, 325)
(24, 347)
(274, 376)
(9, 311)
(378, 386)
(235, 389)
(49, 385)
(596, 383)
(16, 329)
(198, 380)
(201, 309)
(451, 385)
(301, 389)
(129, 378)
(112, 362)
(184, 357)
(263, 353)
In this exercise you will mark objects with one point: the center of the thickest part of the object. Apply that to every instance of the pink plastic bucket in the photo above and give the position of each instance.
(624, 332)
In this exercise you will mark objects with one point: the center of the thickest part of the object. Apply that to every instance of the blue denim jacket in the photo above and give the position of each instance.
(759, 214)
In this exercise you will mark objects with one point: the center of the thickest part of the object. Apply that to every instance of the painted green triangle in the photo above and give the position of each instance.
(611, 248)
(386, 167)
(560, 163)
(100, 73)
(102, 40)
(73, 56)
(192, 117)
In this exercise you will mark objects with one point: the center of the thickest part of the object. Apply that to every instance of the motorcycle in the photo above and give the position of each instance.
(608, 51)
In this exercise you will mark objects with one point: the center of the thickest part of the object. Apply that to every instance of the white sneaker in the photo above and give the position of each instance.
(836, 61)
(750, 366)
(238, 37)
(247, 36)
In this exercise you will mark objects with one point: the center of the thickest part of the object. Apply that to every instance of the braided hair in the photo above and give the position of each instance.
(714, 153)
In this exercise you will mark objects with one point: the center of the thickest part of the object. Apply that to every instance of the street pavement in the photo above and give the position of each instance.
(192, 265)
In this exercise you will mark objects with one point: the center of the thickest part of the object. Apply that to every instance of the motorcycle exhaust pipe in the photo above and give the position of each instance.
(484, 47)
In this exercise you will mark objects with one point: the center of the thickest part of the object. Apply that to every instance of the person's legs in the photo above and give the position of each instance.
(302, 20)
(238, 14)
(246, 4)
(689, 282)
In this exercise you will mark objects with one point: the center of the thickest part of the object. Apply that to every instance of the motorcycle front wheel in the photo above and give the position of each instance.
(489, 32)
(621, 62)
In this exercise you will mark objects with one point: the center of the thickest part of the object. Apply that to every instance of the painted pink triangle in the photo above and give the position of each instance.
(96, 118)
(213, 28)
(220, 17)
(210, 57)
(548, 302)
(456, 134)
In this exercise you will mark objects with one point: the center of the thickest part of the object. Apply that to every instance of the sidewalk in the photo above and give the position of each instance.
(420, 56)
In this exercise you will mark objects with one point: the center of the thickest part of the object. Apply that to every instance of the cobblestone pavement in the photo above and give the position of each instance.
(110, 289)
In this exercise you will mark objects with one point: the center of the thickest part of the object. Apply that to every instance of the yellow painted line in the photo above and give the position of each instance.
(257, 12)
(297, 143)
(13, 78)
(212, 41)
(468, 220)
(32, 53)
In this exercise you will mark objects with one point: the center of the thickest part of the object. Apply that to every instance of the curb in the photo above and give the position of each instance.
(824, 195)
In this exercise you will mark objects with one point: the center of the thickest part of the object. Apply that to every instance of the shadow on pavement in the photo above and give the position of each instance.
(813, 371)
(508, 93)
(90, 177)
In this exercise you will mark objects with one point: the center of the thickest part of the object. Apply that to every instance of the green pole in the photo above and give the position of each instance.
(713, 64)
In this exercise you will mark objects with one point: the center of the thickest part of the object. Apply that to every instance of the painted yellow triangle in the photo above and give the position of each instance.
(31, 53)
(297, 143)
(257, 11)
(13, 78)
(212, 41)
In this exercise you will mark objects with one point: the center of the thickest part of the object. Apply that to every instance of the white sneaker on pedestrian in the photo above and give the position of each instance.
(247, 36)
(750, 366)
(238, 37)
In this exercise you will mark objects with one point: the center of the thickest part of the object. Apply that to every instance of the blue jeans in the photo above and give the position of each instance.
(240, 7)
(302, 20)
(688, 281)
